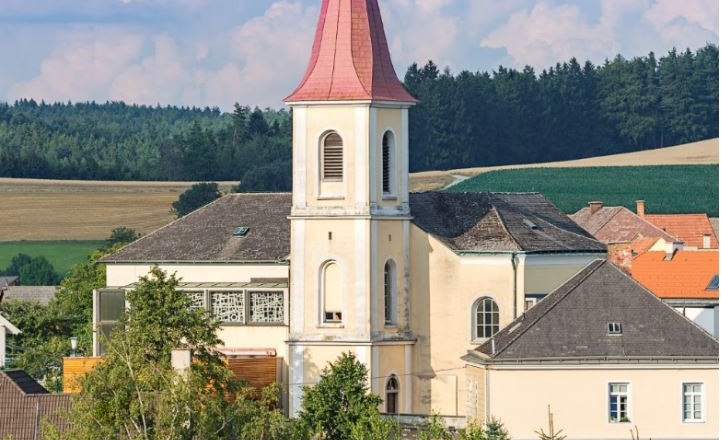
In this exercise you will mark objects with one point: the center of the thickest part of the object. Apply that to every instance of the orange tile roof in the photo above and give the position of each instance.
(689, 228)
(350, 59)
(685, 276)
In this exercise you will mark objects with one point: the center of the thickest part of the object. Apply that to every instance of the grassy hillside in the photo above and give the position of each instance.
(696, 153)
(61, 254)
(667, 189)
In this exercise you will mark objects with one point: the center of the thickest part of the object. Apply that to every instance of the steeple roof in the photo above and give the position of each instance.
(350, 60)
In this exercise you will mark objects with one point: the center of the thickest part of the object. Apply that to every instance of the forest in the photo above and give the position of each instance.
(462, 120)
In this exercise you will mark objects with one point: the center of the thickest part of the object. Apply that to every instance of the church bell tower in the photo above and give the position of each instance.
(350, 220)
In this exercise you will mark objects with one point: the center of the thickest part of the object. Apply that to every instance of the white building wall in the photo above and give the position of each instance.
(704, 317)
(579, 398)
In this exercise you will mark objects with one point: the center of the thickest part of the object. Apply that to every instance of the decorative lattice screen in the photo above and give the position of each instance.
(266, 307)
(228, 306)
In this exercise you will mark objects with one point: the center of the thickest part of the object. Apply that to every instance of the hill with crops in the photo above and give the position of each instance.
(667, 189)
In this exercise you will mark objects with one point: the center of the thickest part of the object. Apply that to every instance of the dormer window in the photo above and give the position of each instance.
(615, 328)
(332, 158)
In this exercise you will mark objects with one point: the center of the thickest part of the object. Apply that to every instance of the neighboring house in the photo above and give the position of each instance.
(8, 281)
(6, 327)
(350, 261)
(625, 232)
(714, 225)
(607, 356)
(685, 280)
(39, 294)
(694, 230)
(25, 406)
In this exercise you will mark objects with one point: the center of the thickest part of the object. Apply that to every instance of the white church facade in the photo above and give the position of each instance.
(351, 261)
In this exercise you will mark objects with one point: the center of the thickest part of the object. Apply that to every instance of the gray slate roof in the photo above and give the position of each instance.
(41, 294)
(8, 281)
(572, 323)
(494, 222)
(466, 222)
(206, 235)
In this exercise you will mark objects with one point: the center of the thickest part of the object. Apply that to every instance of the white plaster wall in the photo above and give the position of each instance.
(579, 401)
(119, 275)
(706, 318)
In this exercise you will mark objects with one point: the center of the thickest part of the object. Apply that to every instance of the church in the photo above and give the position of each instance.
(351, 261)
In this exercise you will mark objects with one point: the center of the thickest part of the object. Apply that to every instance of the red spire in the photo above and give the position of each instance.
(350, 59)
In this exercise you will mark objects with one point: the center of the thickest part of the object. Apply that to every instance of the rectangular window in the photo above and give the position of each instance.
(228, 306)
(266, 307)
(692, 402)
(618, 403)
(333, 317)
(615, 328)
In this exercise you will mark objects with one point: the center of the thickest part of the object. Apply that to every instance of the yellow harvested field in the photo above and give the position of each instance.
(84, 210)
(704, 152)
(88, 210)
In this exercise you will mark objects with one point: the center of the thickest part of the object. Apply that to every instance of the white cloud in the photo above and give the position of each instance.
(273, 51)
(421, 30)
(82, 67)
(547, 34)
(703, 13)
(209, 52)
(262, 60)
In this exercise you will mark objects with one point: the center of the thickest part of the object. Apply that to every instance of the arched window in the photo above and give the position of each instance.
(332, 158)
(388, 162)
(389, 292)
(485, 315)
(331, 293)
(392, 388)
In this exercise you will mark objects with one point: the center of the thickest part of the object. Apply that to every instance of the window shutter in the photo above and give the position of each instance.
(333, 157)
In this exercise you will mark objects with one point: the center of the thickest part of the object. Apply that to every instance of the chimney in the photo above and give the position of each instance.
(641, 208)
(706, 241)
(595, 206)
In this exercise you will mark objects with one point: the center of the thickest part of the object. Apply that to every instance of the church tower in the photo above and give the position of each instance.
(350, 220)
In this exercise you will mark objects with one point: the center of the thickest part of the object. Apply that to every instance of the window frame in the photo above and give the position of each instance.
(390, 292)
(702, 402)
(322, 162)
(323, 322)
(475, 337)
(609, 395)
(396, 393)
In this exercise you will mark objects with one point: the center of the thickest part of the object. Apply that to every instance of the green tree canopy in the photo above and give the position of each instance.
(135, 393)
(340, 401)
(197, 196)
(121, 236)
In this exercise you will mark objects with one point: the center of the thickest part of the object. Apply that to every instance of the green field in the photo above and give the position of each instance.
(668, 189)
(61, 254)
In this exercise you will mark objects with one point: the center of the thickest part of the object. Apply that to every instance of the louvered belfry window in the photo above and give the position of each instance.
(386, 166)
(333, 157)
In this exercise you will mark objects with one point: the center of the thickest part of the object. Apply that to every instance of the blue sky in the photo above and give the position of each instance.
(217, 52)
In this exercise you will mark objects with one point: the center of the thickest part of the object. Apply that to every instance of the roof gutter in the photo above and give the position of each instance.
(257, 262)
(483, 359)
(557, 252)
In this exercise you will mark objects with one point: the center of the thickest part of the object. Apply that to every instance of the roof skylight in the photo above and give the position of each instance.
(713, 285)
(241, 231)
